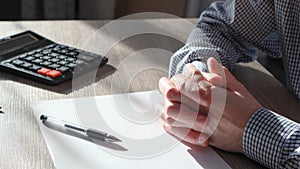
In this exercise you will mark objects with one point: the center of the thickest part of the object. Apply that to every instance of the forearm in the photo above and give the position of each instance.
(272, 140)
(223, 33)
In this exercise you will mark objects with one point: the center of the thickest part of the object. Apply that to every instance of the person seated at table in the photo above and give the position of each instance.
(229, 32)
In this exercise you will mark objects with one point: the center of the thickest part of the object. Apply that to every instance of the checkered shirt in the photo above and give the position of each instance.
(272, 140)
(232, 31)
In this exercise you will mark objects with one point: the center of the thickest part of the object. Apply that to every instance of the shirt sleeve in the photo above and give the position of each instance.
(230, 31)
(272, 140)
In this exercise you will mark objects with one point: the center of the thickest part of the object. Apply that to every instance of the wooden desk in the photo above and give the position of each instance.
(21, 142)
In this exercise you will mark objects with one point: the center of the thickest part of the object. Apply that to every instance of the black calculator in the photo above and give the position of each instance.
(34, 57)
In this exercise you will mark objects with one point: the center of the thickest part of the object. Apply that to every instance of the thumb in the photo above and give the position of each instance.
(222, 75)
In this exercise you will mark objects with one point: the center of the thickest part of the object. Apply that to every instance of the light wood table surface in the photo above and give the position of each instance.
(21, 142)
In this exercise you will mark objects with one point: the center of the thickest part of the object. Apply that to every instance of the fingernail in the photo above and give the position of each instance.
(166, 127)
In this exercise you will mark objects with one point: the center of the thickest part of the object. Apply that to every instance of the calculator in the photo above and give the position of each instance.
(34, 57)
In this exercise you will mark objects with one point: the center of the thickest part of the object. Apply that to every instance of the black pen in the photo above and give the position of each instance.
(91, 133)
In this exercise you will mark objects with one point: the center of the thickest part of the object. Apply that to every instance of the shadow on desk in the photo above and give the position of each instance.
(268, 90)
(69, 86)
(237, 161)
(234, 160)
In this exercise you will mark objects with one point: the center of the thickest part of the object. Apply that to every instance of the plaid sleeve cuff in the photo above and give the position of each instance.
(272, 140)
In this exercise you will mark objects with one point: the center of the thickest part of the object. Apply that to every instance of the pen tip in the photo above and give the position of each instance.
(43, 117)
(114, 139)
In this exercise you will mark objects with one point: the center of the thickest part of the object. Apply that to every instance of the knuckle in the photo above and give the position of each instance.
(204, 85)
(163, 116)
(192, 73)
(198, 77)
(171, 92)
(170, 121)
(191, 86)
(179, 81)
(170, 109)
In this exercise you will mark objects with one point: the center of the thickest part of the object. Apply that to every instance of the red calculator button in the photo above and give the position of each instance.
(53, 73)
(43, 71)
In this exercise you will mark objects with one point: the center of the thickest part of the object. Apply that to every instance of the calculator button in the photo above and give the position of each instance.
(73, 54)
(35, 67)
(62, 57)
(62, 46)
(69, 59)
(55, 49)
(26, 65)
(71, 65)
(38, 55)
(63, 62)
(38, 61)
(54, 60)
(79, 62)
(63, 69)
(31, 53)
(29, 58)
(46, 63)
(50, 46)
(46, 52)
(43, 71)
(63, 51)
(53, 73)
(46, 58)
(38, 50)
(70, 48)
(22, 56)
(54, 54)
(54, 66)
(17, 62)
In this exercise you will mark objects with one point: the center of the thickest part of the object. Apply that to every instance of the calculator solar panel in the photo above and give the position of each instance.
(34, 57)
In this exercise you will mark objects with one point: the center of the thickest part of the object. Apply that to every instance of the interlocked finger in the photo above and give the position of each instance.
(191, 72)
(188, 135)
(181, 116)
(199, 92)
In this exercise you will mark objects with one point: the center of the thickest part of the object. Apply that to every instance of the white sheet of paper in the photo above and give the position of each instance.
(131, 118)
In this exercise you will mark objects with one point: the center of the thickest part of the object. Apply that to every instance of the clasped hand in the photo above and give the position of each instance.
(207, 108)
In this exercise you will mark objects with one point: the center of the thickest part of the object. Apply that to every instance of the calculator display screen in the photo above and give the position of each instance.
(16, 42)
